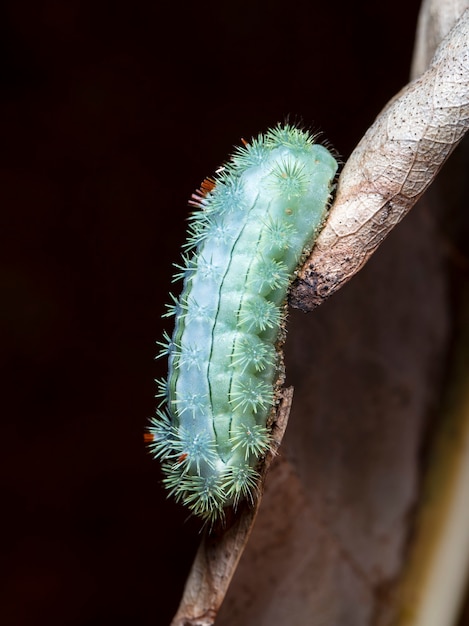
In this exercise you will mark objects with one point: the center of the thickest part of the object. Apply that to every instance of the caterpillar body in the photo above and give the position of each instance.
(254, 223)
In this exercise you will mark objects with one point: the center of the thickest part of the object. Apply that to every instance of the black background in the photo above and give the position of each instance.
(111, 115)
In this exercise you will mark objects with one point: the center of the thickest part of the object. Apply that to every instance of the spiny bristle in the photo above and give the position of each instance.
(241, 482)
(251, 394)
(163, 433)
(258, 314)
(253, 438)
(204, 495)
(186, 268)
(196, 234)
(208, 269)
(220, 231)
(279, 234)
(250, 155)
(183, 305)
(198, 197)
(289, 136)
(192, 403)
(229, 195)
(289, 179)
(167, 346)
(162, 389)
(208, 226)
(192, 451)
(207, 185)
(201, 217)
(269, 275)
(190, 357)
(253, 352)
(198, 312)
(178, 445)
(173, 308)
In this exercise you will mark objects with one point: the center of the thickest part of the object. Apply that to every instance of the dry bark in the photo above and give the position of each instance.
(392, 166)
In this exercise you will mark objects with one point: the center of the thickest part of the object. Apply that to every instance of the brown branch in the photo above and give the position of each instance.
(390, 169)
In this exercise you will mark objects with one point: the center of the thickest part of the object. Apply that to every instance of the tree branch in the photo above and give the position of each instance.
(392, 166)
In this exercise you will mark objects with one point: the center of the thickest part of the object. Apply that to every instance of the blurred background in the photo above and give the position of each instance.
(111, 115)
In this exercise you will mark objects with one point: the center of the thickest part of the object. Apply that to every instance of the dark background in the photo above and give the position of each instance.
(111, 115)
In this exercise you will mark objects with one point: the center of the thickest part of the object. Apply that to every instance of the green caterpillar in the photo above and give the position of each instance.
(253, 225)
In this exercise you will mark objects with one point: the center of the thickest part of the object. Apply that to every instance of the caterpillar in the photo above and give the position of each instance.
(253, 223)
